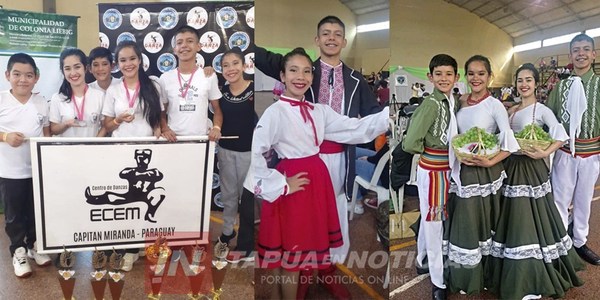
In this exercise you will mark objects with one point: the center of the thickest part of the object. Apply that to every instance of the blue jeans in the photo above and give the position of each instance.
(364, 168)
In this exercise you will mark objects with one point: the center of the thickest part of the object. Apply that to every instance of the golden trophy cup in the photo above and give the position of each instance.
(158, 255)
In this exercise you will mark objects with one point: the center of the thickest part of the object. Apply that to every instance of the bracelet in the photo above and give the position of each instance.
(217, 127)
(115, 121)
(4, 136)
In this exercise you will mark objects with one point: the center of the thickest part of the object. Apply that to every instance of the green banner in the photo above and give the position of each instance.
(36, 33)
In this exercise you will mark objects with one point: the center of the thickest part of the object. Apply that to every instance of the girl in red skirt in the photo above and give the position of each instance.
(299, 221)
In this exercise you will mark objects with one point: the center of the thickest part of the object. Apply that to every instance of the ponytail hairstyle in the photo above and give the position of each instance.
(65, 87)
(297, 51)
(530, 67)
(149, 96)
(482, 59)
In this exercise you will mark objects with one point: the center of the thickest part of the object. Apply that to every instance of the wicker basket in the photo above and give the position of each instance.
(461, 155)
(529, 145)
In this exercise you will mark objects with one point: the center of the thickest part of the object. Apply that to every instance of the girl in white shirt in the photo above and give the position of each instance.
(299, 219)
(531, 251)
(474, 195)
(76, 110)
(132, 108)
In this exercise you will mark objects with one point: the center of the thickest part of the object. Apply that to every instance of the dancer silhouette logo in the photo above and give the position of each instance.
(141, 188)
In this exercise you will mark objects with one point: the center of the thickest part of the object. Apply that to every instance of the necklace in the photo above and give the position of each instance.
(472, 102)
(518, 108)
(186, 84)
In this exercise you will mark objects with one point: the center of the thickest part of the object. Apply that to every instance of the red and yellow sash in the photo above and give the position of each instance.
(436, 162)
(584, 147)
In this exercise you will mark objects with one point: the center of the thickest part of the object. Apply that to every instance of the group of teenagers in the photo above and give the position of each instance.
(325, 109)
(501, 224)
(135, 105)
(495, 223)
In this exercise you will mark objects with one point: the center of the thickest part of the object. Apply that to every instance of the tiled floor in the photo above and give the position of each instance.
(363, 272)
(406, 285)
(43, 284)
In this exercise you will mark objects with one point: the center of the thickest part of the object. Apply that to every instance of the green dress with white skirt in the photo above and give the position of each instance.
(474, 203)
(531, 252)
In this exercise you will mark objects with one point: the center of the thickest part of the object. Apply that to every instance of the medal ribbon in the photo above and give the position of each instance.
(130, 99)
(77, 110)
(184, 91)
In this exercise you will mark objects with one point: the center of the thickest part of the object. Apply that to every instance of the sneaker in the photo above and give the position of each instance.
(128, 260)
(359, 209)
(40, 259)
(235, 257)
(227, 238)
(370, 202)
(142, 252)
(20, 263)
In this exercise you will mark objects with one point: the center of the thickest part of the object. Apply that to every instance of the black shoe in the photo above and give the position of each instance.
(438, 293)
(424, 268)
(588, 255)
(227, 238)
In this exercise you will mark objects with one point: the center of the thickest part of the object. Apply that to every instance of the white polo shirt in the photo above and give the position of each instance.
(188, 114)
(29, 119)
(95, 85)
(116, 103)
(62, 111)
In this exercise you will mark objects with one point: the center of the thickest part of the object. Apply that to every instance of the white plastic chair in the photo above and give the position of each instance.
(371, 183)
(398, 198)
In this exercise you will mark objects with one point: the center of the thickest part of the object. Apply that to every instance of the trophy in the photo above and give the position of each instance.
(66, 278)
(98, 279)
(116, 282)
(158, 255)
(196, 267)
(219, 262)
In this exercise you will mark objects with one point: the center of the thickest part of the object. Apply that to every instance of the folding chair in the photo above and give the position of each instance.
(371, 183)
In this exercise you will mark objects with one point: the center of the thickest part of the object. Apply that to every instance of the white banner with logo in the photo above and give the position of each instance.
(110, 193)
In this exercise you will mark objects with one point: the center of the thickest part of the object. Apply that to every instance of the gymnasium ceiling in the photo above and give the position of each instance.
(521, 17)
(361, 7)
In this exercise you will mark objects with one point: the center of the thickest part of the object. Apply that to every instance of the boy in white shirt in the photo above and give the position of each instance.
(186, 94)
(101, 64)
(23, 114)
